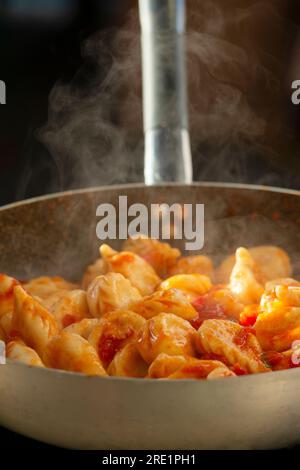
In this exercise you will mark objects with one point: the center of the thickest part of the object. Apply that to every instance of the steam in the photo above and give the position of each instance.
(94, 130)
(235, 114)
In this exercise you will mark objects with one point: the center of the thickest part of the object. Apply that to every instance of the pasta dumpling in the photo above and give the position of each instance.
(6, 324)
(32, 322)
(184, 367)
(93, 270)
(201, 369)
(166, 333)
(132, 267)
(246, 280)
(164, 365)
(7, 285)
(197, 264)
(191, 285)
(165, 301)
(230, 340)
(71, 352)
(272, 261)
(283, 360)
(44, 286)
(18, 351)
(161, 256)
(2, 335)
(218, 302)
(113, 332)
(83, 328)
(110, 292)
(220, 372)
(278, 322)
(68, 306)
(128, 363)
(284, 281)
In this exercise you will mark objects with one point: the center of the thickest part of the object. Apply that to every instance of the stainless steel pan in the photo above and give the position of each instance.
(56, 234)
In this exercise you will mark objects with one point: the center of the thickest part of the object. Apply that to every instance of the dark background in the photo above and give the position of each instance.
(37, 49)
(40, 43)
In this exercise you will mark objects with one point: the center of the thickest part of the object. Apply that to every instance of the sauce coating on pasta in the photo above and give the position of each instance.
(147, 311)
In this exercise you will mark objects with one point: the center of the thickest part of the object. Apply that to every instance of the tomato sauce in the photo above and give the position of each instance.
(272, 358)
(198, 371)
(13, 335)
(126, 257)
(69, 319)
(238, 370)
(241, 337)
(249, 315)
(215, 357)
(207, 309)
(278, 361)
(109, 345)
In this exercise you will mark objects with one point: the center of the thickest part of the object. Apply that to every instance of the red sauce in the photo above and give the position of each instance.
(198, 371)
(238, 370)
(241, 337)
(272, 358)
(109, 345)
(278, 361)
(206, 309)
(249, 315)
(127, 257)
(13, 335)
(215, 357)
(69, 319)
(169, 304)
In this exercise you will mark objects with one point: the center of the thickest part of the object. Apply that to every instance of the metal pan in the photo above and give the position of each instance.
(56, 234)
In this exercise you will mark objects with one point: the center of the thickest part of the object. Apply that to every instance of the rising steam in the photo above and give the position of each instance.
(94, 130)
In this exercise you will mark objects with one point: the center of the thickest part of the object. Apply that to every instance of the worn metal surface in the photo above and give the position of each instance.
(56, 235)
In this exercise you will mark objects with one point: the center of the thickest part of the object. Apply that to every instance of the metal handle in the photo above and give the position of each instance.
(167, 143)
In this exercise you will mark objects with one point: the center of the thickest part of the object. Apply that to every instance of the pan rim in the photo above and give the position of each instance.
(140, 380)
(195, 184)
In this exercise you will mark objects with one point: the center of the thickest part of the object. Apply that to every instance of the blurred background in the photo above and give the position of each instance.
(73, 116)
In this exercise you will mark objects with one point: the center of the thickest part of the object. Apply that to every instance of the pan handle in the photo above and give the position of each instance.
(167, 142)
